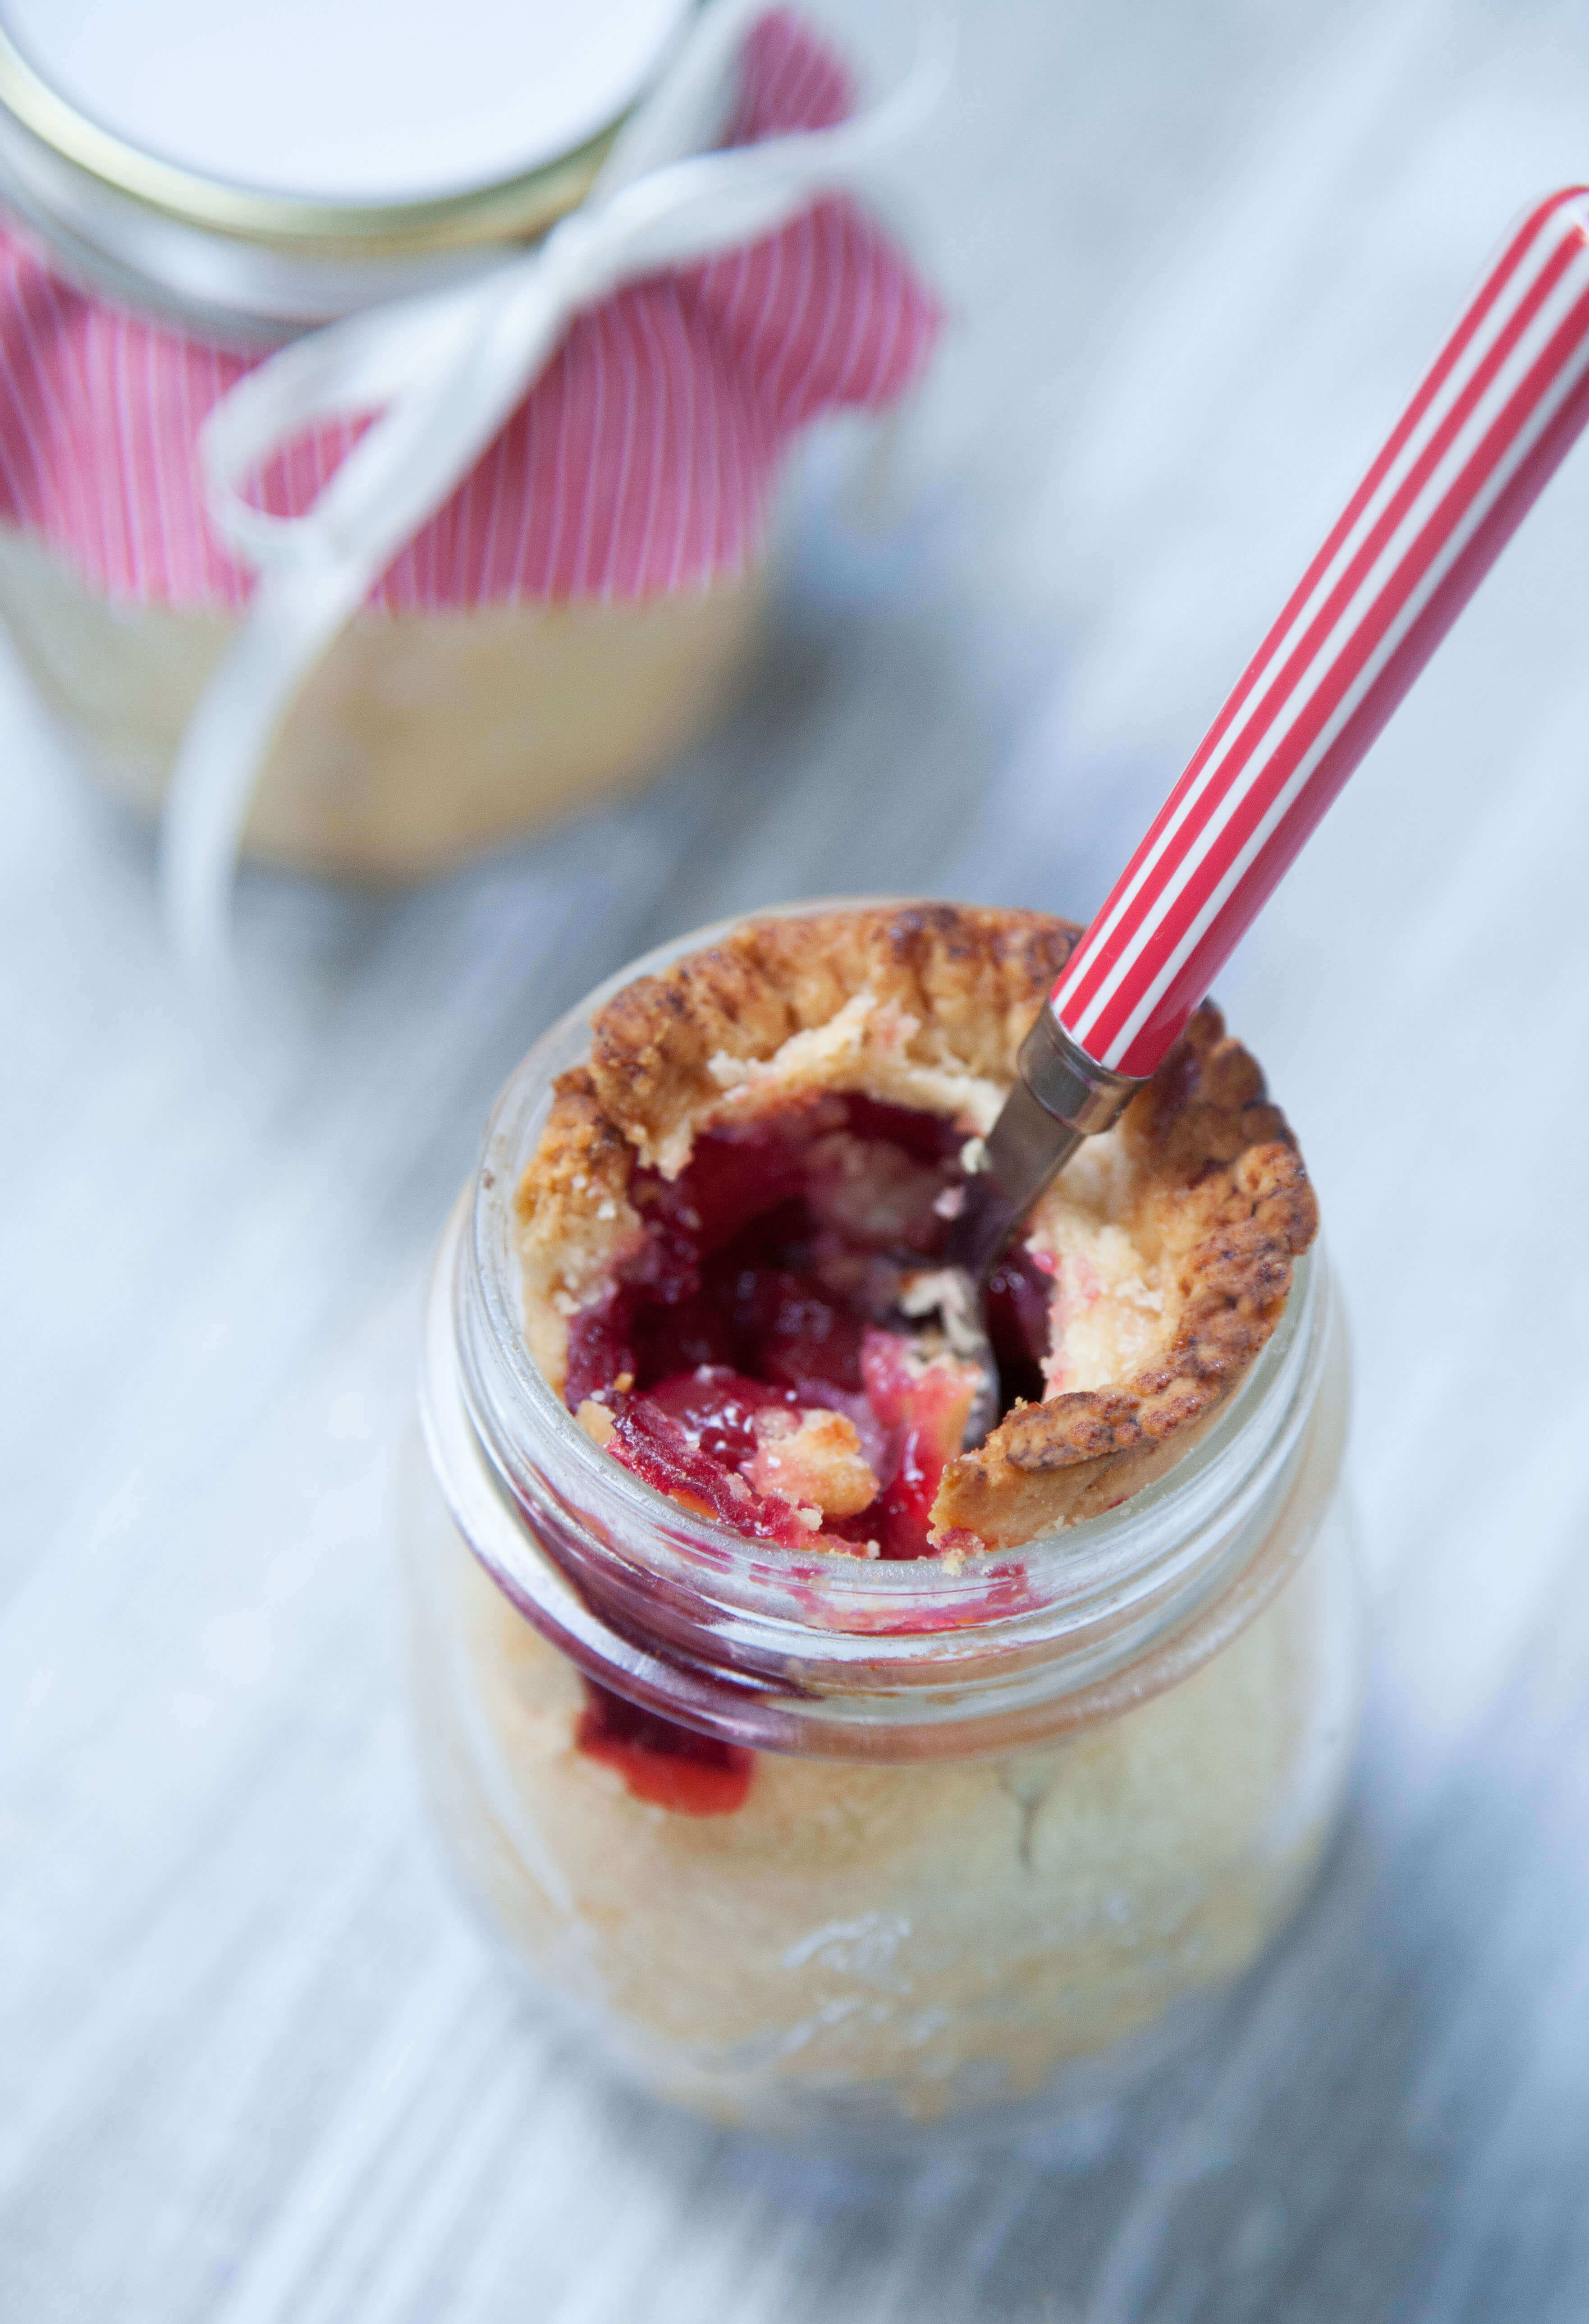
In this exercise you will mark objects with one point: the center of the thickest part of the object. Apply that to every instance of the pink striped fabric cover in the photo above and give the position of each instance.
(643, 461)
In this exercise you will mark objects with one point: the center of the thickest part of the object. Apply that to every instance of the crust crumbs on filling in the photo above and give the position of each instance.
(1170, 1241)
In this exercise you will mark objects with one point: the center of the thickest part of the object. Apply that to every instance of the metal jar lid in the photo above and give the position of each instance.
(258, 168)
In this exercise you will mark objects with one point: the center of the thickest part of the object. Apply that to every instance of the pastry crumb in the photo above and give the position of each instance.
(596, 1422)
(812, 1457)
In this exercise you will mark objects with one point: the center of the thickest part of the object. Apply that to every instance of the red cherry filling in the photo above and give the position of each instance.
(766, 1267)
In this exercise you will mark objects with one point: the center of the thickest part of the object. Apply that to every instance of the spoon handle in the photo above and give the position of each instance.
(1497, 411)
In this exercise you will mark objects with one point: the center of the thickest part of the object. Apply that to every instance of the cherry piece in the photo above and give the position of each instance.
(649, 1440)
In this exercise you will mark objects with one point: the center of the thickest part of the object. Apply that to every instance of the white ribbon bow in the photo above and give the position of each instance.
(444, 372)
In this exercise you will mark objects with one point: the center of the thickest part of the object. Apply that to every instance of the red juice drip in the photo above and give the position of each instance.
(670, 1766)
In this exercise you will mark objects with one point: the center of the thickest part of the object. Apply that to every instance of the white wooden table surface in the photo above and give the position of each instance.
(254, 2064)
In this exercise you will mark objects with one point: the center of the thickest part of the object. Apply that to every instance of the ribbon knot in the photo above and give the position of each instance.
(441, 374)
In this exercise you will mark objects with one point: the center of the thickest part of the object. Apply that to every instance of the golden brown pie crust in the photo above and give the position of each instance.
(930, 1003)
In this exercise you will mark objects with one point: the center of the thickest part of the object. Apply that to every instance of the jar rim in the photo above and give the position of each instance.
(842, 1644)
(251, 265)
(498, 209)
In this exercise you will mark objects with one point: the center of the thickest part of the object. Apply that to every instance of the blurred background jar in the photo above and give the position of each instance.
(188, 188)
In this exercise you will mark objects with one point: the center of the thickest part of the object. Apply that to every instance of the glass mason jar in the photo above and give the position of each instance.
(592, 595)
(816, 1845)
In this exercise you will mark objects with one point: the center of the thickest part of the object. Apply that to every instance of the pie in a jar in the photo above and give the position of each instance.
(731, 1227)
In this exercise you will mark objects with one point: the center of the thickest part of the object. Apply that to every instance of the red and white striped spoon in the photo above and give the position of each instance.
(1497, 411)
